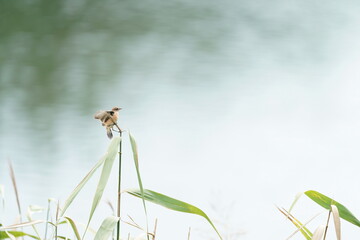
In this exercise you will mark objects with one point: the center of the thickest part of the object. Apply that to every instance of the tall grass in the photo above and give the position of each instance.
(118, 211)
(335, 210)
(110, 223)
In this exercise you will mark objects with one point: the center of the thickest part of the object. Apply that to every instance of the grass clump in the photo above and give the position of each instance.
(110, 223)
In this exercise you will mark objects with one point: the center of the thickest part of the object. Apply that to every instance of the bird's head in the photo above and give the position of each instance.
(116, 109)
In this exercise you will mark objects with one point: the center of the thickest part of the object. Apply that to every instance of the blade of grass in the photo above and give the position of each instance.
(57, 219)
(19, 225)
(73, 226)
(136, 161)
(62, 237)
(336, 217)
(104, 177)
(170, 203)
(297, 197)
(48, 216)
(16, 234)
(13, 180)
(9, 235)
(47, 219)
(326, 203)
(300, 227)
(106, 228)
(30, 211)
(112, 147)
(319, 232)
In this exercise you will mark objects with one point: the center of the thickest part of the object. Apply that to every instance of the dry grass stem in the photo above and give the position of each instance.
(13, 180)
(327, 225)
(155, 227)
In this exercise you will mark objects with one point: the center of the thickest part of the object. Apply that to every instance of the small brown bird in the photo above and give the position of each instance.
(108, 119)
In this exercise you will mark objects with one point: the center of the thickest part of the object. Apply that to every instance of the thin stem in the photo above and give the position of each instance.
(155, 227)
(327, 225)
(119, 185)
(47, 220)
(57, 220)
(13, 179)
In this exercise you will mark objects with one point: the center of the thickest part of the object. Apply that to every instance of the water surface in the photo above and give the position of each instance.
(235, 105)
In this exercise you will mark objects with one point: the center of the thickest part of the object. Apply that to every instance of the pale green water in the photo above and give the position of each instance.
(228, 98)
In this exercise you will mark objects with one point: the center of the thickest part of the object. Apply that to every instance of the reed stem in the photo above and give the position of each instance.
(327, 225)
(119, 186)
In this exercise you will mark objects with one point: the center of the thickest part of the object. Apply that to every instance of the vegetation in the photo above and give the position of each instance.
(109, 224)
(336, 209)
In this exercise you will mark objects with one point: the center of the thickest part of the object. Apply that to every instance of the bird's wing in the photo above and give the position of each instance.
(111, 113)
(100, 114)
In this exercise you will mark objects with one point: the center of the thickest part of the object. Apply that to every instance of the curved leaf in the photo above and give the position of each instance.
(111, 152)
(170, 203)
(106, 228)
(18, 225)
(326, 202)
(136, 161)
(300, 227)
(73, 226)
(297, 197)
(105, 173)
(319, 233)
(17, 234)
(337, 224)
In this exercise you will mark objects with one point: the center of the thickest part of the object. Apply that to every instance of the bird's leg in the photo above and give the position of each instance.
(119, 130)
(114, 124)
(112, 128)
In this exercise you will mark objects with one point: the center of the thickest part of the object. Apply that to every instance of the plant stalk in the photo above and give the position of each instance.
(47, 220)
(327, 224)
(119, 186)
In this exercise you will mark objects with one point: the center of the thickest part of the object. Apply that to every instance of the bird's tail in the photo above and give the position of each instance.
(109, 133)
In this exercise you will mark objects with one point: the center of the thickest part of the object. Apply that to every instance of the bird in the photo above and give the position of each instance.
(108, 119)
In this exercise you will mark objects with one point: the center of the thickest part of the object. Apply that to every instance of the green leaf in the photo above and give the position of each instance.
(62, 237)
(111, 152)
(326, 203)
(73, 226)
(300, 227)
(297, 197)
(4, 235)
(9, 235)
(30, 211)
(104, 177)
(106, 228)
(136, 161)
(171, 203)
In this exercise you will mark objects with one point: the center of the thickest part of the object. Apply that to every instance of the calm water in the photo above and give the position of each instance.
(236, 106)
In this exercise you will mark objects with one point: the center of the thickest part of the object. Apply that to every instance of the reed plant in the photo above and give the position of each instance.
(110, 223)
(335, 210)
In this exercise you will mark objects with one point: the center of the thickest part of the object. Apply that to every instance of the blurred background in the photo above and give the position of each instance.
(236, 107)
